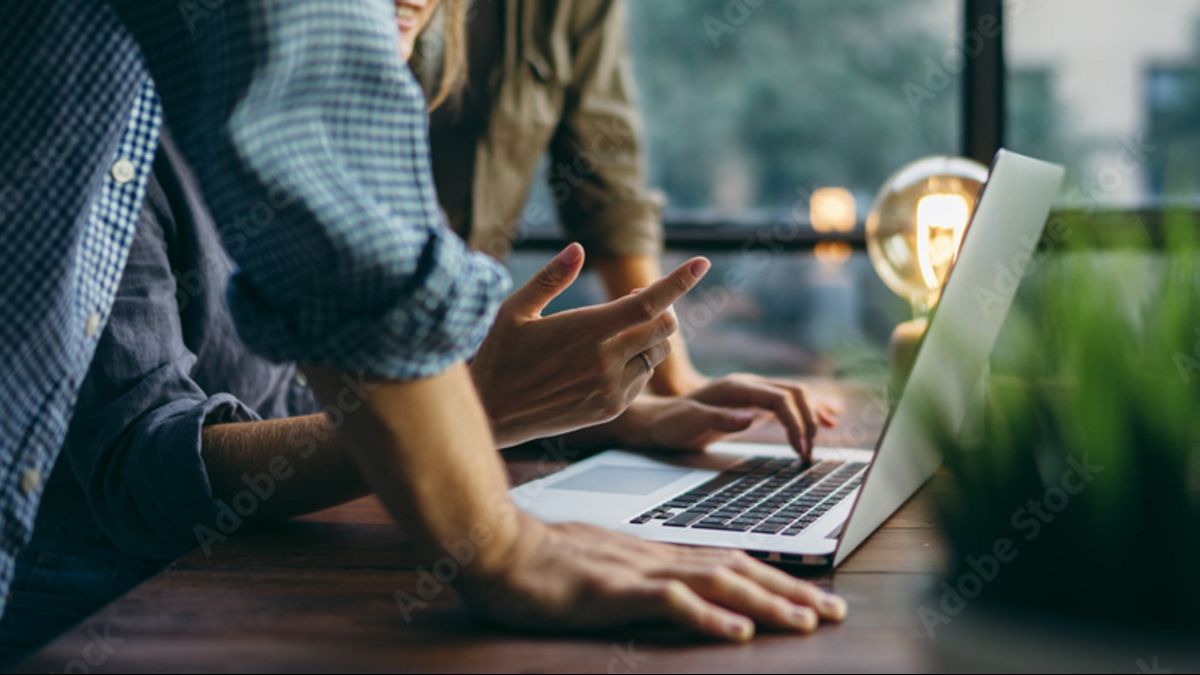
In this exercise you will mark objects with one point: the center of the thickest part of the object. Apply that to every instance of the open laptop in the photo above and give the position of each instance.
(762, 498)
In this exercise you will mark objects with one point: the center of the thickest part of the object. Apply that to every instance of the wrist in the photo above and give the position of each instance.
(506, 435)
(502, 430)
(672, 380)
(634, 427)
(425, 449)
(499, 550)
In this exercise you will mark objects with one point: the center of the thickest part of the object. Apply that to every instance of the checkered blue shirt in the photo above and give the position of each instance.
(308, 138)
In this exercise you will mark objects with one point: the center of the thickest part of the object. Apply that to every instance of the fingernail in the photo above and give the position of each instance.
(739, 630)
(745, 418)
(804, 618)
(570, 255)
(833, 607)
(699, 267)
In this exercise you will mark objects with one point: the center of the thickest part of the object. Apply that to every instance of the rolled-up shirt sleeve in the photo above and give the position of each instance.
(134, 443)
(308, 135)
(144, 474)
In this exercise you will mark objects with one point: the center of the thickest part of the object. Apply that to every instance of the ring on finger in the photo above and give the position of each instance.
(646, 361)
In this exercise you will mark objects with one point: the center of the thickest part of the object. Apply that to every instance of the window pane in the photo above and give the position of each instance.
(752, 105)
(1111, 89)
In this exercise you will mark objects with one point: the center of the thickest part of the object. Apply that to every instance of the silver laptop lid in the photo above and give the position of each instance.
(953, 355)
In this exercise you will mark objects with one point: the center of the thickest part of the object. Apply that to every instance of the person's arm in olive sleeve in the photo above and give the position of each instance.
(597, 155)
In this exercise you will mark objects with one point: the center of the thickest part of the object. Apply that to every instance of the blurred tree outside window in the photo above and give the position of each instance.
(749, 104)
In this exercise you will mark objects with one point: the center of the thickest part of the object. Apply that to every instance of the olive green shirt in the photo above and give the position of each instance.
(552, 78)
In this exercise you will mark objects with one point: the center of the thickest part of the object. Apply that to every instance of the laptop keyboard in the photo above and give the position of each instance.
(763, 495)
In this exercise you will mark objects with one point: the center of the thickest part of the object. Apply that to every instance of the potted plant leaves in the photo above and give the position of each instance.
(1073, 521)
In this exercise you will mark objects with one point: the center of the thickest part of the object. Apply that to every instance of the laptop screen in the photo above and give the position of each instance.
(953, 355)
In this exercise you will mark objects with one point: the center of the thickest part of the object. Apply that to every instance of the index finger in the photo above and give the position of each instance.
(647, 305)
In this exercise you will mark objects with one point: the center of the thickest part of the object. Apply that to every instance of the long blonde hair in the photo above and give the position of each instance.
(441, 53)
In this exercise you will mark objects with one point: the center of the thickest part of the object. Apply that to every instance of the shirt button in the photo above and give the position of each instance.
(93, 325)
(30, 481)
(123, 171)
(300, 380)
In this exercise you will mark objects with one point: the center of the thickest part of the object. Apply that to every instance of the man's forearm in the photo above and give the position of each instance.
(425, 448)
(308, 469)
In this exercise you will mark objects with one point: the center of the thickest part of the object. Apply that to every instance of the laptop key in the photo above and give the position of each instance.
(712, 524)
(740, 525)
(747, 521)
(686, 518)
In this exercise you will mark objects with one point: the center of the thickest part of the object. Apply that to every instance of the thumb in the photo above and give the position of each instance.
(530, 299)
(704, 417)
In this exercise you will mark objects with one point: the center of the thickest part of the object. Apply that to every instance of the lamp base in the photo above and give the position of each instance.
(902, 350)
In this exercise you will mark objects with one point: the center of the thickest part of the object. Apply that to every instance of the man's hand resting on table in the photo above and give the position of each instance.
(578, 577)
(545, 375)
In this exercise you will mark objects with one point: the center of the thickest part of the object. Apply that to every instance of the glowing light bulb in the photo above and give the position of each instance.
(917, 223)
(941, 221)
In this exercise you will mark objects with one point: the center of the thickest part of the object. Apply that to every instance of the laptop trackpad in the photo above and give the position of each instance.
(621, 479)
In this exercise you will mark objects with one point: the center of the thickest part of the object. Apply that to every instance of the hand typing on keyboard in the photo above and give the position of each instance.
(717, 409)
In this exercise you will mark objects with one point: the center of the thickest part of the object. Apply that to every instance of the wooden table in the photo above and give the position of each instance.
(316, 594)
